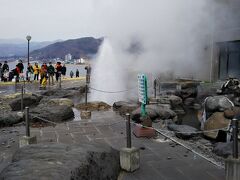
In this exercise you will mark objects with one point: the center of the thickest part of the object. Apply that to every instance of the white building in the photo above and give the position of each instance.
(68, 57)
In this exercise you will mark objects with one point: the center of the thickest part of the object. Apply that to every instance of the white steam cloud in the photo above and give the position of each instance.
(153, 37)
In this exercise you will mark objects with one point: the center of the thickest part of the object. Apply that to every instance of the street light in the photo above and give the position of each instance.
(28, 39)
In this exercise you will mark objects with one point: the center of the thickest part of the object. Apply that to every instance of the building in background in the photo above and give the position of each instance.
(68, 57)
(225, 46)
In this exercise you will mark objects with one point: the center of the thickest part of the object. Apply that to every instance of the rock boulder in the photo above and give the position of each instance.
(154, 112)
(223, 149)
(28, 100)
(94, 106)
(60, 161)
(183, 131)
(125, 107)
(61, 101)
(215, 121)
(217, 103)
(55, 113)
(10, 118)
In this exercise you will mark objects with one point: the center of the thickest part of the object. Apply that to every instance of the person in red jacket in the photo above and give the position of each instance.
(17, 71)
(58, 68)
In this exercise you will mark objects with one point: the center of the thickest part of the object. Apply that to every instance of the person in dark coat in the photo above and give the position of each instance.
(5, 69)
(51, 72)
(5, 66)
(64, 70)
(77, 73)
(1, 72)
(71, 74)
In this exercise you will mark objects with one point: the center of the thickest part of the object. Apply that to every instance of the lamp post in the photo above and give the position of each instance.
(28, 39)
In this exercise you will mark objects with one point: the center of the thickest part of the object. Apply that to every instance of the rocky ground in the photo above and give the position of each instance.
(175, 115)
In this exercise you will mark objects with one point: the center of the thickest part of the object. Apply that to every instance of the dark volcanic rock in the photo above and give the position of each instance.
(217, 103)
(10, 118)
(175, 101)
(28, 100)
(55, 113)
(189, 84)
(189, 101)
(94, 106)
(154, 112)
(183, 131)
(64, 93)
(187, 93)
(125, 107)
(237, 101)
(223, 149)
(230, 113)
(60, 161)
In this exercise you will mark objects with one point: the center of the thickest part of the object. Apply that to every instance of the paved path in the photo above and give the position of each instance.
(160, 158)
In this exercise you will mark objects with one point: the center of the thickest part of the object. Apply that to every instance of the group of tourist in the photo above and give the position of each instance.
(35, 72)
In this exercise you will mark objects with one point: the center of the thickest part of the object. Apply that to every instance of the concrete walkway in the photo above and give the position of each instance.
(160, 158)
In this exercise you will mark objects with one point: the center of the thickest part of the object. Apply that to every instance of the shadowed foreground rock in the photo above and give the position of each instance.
(64, 162)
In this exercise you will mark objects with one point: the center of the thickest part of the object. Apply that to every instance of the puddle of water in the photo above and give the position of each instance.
(76, 114)
(10, 89)
(162, 140)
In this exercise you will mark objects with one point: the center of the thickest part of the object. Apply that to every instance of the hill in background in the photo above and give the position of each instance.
(78, 48)
(18, 47)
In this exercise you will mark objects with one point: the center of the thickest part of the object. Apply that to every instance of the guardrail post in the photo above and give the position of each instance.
(232, 164)
(85, 114)
(27, 140)
(155, 88)
(27, 121)
(15, 85)
(24, 85)
(86, 93)
(60, 80)
(22, 98)
(129, 156)
(128, 131)
(235, 137)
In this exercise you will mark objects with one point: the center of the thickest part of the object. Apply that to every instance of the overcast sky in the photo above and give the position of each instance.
(52, 19)
(64, 19)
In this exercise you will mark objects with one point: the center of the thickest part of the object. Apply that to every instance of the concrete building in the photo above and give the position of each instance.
(225, 46)
(68, 57)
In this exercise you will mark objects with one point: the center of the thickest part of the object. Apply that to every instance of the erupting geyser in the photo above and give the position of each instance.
(107, 76)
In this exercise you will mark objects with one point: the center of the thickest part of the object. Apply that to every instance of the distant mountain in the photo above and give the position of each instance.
(82, 47)
(18, 47)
